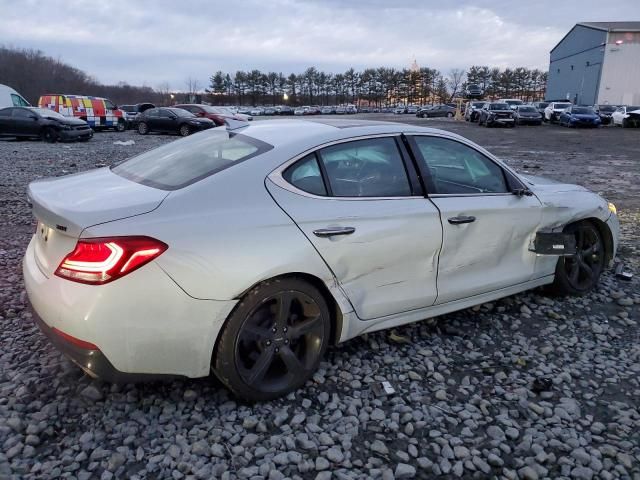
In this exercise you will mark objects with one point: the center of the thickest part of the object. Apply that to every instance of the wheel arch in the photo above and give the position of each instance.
(605, 233)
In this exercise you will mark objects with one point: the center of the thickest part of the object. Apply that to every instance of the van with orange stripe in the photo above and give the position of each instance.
(100, 113)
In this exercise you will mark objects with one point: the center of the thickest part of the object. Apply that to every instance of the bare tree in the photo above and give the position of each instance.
(455, 80)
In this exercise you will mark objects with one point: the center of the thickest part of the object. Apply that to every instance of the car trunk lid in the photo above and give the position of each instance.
(65, 206)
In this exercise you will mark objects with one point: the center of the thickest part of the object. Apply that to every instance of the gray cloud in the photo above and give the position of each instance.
(152, 42)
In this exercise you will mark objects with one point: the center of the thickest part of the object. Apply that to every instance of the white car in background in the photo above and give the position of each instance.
(246, 252)
(10, 98)
(513, 103)
(554, 109)
(626, 116)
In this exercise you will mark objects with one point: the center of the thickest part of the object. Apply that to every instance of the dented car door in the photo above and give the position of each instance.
(371, 225)
(487, 228)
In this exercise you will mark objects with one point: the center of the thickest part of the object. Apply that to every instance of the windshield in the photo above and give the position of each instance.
(582, 110)
(527, 109)
(128, 108)
(45, 112)
(189, 160)
(499, 106)
(607, 108)
(561, 106)
(631, 109)
(543, 105)
(477, 104)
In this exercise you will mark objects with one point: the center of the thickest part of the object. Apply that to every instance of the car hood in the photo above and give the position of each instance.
(74, 202)
(74, 122)
(529, 114)
(585, 116)
(546, 185)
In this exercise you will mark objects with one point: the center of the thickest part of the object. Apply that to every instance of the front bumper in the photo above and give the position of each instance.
(73, 134)
(142, 324)
(501, 121)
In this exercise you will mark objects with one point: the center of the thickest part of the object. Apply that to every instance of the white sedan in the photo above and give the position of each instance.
(626, 116)
(247, 252)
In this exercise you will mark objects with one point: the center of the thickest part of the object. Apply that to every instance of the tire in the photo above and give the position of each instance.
(449, 115)
(258, 356)
(143, 128)
(579, 274)
(49, 135)
(184, 130)
(121, 126)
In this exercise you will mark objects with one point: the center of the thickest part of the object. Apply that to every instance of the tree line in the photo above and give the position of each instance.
(32, 74)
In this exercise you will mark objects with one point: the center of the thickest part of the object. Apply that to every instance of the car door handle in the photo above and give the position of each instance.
(461, 219)
(330, 232)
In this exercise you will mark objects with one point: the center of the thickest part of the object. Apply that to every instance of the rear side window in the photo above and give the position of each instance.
(189, 160)
(366, 168)
(306, 175)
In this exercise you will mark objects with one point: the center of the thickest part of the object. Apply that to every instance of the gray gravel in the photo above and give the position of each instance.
(465, 403)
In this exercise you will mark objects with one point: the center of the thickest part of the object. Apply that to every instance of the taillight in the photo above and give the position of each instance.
(101, 260)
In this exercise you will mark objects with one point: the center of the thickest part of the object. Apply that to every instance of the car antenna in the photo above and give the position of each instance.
(233, 124)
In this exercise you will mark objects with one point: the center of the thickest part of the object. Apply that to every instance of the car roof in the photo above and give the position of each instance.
(309, 133)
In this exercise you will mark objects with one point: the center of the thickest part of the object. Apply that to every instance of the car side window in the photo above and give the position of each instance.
(365, 168)
(153, 112)
(21, 113)
(305, 174)
(18, 101)
(457, 169)
(5, 112)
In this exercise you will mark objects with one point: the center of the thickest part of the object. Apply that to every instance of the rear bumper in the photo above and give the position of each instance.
(93, 362)
(142, 325)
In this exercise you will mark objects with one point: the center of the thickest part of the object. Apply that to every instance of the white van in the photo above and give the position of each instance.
(10, 98)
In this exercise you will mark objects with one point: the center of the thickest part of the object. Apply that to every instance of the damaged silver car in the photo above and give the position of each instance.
(246, 252)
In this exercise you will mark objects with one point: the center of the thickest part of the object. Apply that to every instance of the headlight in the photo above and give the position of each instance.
(613, 209)
(66, 127)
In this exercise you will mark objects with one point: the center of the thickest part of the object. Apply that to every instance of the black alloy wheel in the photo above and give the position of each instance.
(143, 128)
(274, 340)
(578, 274)
(49, 135)
(185, 130)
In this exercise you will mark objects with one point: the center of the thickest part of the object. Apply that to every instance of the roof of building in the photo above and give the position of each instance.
(613, 26)
(605, 27)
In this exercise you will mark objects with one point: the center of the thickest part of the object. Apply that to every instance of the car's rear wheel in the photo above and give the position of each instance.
(49, 135)
(143, 128)
(185, 130)
(274, 339)
(579, 273)
(449, 115)
(121, 126)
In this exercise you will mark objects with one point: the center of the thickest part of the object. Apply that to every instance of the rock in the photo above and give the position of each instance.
(528, 473)
(404, 470)
(441, 395)
(115, 461)
(91, 392)
(189, 395)
(322, 463)
(379, 447)
(335, 455)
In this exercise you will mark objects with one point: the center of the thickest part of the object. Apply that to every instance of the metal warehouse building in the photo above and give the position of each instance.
(597, 63)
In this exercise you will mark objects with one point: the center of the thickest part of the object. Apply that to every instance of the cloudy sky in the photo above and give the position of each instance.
(155, 41)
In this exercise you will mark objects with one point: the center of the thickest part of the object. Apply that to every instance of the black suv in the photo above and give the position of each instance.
(496, 113)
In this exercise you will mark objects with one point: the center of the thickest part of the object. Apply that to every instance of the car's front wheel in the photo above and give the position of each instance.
(49, 135)
(578, 274)
(121, 126)
(274, 340)
(185, 130)
(143, 128)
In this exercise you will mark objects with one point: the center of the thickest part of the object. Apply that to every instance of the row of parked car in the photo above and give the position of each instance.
(511, 112)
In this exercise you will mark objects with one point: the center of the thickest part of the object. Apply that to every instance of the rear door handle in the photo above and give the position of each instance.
(461, 219)
(330, 232)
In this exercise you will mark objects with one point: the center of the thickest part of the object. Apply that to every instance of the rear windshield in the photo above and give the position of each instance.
(499, 106)
(189, 160)
(527, 109)
(558, 106)
(631, 109)
(582, 110)
(607, 108)
(128, 108)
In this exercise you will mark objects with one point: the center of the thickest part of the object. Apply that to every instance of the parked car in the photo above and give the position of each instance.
(301, 110)
(50, 126)
(131, 112)
(496, 113)
(172, 120)
(227, 252)
(527, 115)
(605, 112)
(512, 102)
(412, 109)
(217, 114)
(472, 111)
(553, 110)
(257, 111)
(286, 110)
(399, 109)
(326, 110)
(341, 110)
(540, 106)
(579, 116)
(10, 98)
(245, 110)
(421, 110)
(438, 111)
(100, 113)
(234, 114)
(351, 109)
(269, 111)
(626, 116)
(474, 91)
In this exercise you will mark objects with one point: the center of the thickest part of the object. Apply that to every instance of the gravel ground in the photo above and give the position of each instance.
(526, 387)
